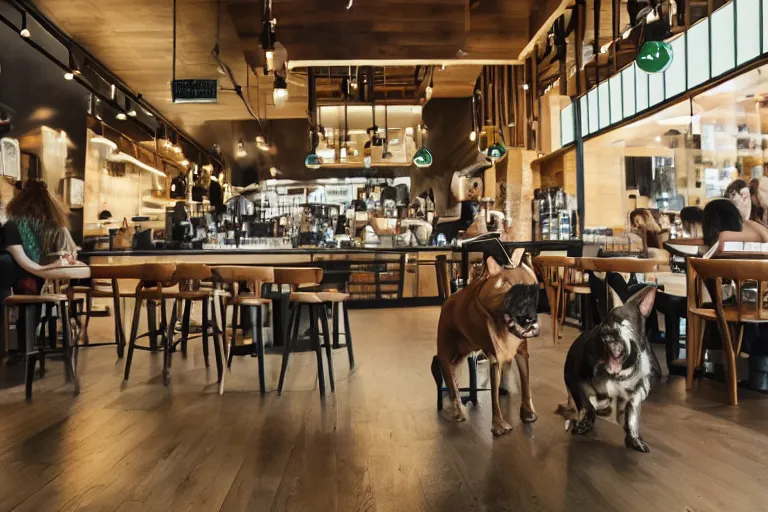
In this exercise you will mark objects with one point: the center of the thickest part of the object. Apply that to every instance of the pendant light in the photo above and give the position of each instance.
(280, 91)
(312, 160)
(422, 158)
(240, 151)
(24, 32)
(385, 149)
(496, 151)
(655, 56)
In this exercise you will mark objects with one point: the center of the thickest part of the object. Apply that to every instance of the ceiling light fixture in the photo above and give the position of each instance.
(185, 162)
(423, 157)
(74, 69)
(526, 87)
(69, 76)
(129, 108)
(24, 32)
(240, 152)
(657, 139)
(270, 56)
(428, 90)
(177, 150)
(280, 91)
(261, 144)
(473, 136)
(104, 141)
(120, 116)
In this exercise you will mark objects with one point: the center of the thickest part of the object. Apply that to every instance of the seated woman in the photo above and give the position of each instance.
(37, 238)
(724, 222)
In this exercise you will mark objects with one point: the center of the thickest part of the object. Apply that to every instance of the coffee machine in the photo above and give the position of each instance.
(555, 216)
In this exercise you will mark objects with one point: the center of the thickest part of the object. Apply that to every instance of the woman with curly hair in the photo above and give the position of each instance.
(36, 235)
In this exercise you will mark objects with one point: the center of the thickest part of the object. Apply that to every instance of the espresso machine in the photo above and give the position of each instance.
(555, 215)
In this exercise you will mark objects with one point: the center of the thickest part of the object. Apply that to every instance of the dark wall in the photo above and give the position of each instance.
(34, 89)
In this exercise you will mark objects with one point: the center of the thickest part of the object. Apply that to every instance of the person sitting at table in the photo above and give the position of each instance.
(758, 190)
(37, 238)
(724, 222)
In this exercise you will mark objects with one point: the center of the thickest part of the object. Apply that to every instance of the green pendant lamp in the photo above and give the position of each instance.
(422, 158)
(496, 151)
(655, 56)
(313, 161)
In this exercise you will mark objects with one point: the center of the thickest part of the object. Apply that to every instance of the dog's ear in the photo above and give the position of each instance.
(492, 267)
(644, 300)
(614, 301)
(516, 258)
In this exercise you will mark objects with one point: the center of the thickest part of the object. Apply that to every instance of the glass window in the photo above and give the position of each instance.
(674, 77)
(723, 40)
(616, 102)
(641, 89)
(698, 53)
(566, 125)
(655, 88)
(748, 35)
(604, 97)
(765, 24)
(628, 85)
(594, 111)
(584, 107)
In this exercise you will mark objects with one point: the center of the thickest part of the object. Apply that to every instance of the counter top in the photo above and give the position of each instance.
(540, 245)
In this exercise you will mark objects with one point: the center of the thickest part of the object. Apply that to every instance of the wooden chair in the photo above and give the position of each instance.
(189, 277)
(298, 278)
(730, 318)
(443, 276)
(30, 307)
(104, 284)
(554, 272)
(616, 265)
(251, 300)
(152, 277)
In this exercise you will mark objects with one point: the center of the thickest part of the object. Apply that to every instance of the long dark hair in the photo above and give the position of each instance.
(35, 202)
(720, 215)
(758, 211)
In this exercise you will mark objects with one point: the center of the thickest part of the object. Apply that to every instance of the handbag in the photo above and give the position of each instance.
(123, 237)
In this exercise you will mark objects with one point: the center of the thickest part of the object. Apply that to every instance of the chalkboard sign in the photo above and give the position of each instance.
(195, 91)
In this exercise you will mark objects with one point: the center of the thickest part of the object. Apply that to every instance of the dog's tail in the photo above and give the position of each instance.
(437, 374)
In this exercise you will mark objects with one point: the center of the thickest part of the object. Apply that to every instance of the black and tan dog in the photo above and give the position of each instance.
(496, 313)
(613, 362)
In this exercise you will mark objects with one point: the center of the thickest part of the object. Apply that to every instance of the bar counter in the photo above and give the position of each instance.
(375, 277)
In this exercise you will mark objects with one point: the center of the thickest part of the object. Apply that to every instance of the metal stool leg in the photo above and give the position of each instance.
(315, 339)
(259, 342)
(327, 342)
(293, 333)
(348, 336)
(31, 351)
(67, 345)
(206, 326)
(134, 334)
(235, 311)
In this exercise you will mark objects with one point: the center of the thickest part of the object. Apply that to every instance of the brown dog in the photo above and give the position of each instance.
(496, 314)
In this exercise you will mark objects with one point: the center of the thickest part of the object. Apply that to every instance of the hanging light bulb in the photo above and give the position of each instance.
(261, 144)
(473, 136)
(280, 92)
(24, 32)
(496, 151)
(428, 91)
(240, 152)
(120, 116)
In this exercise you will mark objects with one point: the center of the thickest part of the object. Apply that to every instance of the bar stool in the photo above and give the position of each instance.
(29, 313)
(188, 277)
(152, 278)
(552, 269)
(252, 300)
(306, 277)
(104, 284)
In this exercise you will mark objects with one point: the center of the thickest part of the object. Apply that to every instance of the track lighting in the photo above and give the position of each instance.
(24, 32)
(120, 116)
(240, 152)
(280, 91)
(129, 108)
(74, 69)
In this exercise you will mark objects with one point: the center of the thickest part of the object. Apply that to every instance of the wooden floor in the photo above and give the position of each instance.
(376, 445)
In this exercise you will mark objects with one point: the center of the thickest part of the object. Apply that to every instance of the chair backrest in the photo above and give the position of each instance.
(550, 267)
(298, 276)
(116, 271)
(621, 265)
(255, 277)
(749, 277)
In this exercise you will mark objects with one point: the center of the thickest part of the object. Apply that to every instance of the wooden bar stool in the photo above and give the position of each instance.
(188, 277)
(553, 270)
(251, 300)
(730, 318)
(298, 278)
(29, 307)
(338, 300)
(152, 278)
(104, 284)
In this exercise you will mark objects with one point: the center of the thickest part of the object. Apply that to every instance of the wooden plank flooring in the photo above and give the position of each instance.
(376, 445)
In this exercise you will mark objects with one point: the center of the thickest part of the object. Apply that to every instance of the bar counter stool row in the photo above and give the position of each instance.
(216, 289)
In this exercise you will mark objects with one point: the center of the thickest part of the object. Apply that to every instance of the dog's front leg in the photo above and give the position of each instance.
(500, 426)
(632, 425)
(527, 412)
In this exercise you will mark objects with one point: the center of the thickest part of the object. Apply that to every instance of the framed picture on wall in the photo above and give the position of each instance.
(10, 158)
